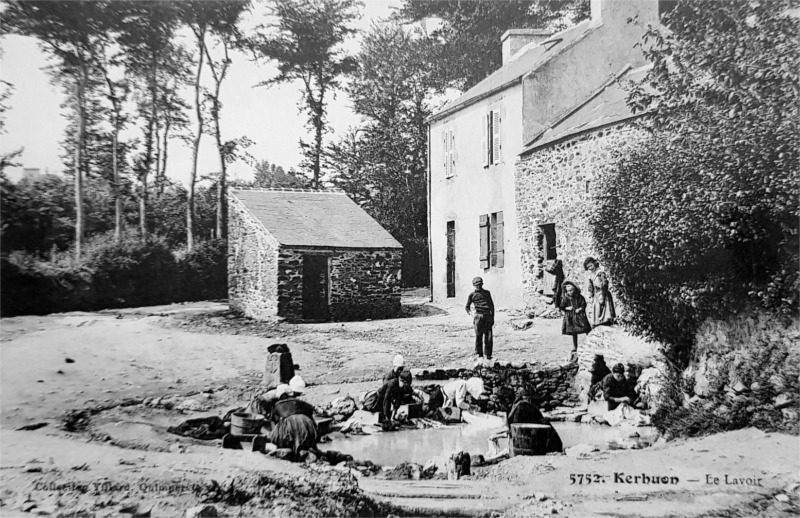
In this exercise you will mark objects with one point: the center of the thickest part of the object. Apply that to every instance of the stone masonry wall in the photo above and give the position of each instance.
(548, 388)
(290, 283)
(557, 185)
(252, 265)
(364, 284)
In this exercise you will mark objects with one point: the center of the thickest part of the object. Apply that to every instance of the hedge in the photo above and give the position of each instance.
(128, 274)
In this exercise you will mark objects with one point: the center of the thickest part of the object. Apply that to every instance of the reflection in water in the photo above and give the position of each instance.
(420, 446)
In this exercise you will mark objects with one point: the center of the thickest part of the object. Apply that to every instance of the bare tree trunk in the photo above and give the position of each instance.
(162, 169)
(196, 144)
(157, 139)
(148, 149)
(222, 185)
(115, 170)
(80, 92)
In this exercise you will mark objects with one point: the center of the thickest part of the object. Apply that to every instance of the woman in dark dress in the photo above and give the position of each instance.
(574, 321)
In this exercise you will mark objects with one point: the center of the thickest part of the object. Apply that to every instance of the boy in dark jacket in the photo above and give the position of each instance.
(483, 319)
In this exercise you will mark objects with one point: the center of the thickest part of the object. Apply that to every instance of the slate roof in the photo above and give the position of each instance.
(315, 219)
(527, 59)
(603, 107)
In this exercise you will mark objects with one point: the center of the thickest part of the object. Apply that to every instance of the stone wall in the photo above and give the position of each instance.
(752, 357)
(557, 184)
(363, 284)
(548, 388)
(252, 264)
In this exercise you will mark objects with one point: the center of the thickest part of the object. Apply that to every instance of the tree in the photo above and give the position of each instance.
(468, 36)
(219, 19)
(702, 217)
(7, 159)
(383, 164)
(147, 31)
(269, 176)
(70, 32)
(305, 38)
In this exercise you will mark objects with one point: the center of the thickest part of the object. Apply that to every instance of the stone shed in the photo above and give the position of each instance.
(309, 255)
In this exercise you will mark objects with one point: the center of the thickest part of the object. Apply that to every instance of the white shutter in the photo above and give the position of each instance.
(444, 152)
(495, 137)
(452, 153)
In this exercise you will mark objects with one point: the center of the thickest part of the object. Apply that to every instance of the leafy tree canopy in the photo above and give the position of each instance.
(469, 32)
(702, 217)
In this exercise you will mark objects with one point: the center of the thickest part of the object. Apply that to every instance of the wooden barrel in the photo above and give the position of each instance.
(243, 423)
(533, 439)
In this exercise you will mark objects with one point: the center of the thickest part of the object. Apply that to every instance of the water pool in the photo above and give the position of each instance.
(420, 446)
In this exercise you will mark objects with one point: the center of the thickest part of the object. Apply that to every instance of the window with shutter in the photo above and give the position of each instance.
(452, 153)
(444, 152)
(500, 241)
(485, 135)
(495, 136)
(483, 227)
(493, 239)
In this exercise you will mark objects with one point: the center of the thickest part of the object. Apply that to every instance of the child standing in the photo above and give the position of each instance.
(575, 321)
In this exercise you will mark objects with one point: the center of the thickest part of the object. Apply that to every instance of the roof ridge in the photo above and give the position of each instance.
(290, 189)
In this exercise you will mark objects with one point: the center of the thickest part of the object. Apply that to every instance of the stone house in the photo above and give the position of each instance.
(482, 216)
(309, 255)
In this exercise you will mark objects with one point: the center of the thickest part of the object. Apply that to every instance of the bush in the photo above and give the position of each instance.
(30, 287)
(133, 273)
(129, 274)
(204, 271)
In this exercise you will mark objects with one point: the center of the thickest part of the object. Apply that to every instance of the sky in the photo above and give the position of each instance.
(267, 116)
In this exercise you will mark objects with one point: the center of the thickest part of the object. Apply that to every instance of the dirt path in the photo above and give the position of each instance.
(203, 359)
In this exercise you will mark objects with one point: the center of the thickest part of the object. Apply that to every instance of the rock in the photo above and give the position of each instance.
(782, 401)
(190, 404)
(755, 386)
(580, 449)
(281, 453)
(722, 410)
(27, 506)
(789, 414)
(739, 387)
(202, 511)
(429, 470)
(777, 382)
(458, 465)
(782, 498)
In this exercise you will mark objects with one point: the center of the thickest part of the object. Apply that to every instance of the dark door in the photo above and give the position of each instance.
(315, 287)
(451, 258)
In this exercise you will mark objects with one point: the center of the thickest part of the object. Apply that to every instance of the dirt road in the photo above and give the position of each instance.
(123, 367)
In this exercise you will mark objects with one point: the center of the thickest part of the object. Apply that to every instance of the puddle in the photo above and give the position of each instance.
(420, 446)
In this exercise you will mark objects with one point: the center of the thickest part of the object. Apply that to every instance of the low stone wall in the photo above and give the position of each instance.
(252, 265)
(547, 388)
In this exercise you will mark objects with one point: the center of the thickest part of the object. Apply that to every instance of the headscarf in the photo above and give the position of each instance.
(297, 384)
(282, 389)
(564, 285)
(398, 361)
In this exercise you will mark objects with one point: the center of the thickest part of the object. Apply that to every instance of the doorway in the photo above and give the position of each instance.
(549, 253)
(451, 258)
(315, 287)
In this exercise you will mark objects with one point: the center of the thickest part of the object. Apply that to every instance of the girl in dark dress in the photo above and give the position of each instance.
(575, 321)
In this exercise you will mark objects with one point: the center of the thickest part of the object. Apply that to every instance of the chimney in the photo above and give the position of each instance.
(617, 12)
(514, 39)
